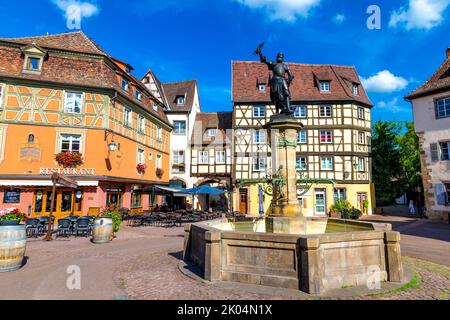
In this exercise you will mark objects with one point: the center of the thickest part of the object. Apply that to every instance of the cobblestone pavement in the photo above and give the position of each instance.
(156, 276)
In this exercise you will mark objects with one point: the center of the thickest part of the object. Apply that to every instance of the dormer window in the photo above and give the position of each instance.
(211, 132)
(180, 100)
(125, 84)
(355, 89)
(127, 69)
(138, 95)
(324, 86)
(34, 58)
(33, 63)
(262, 88)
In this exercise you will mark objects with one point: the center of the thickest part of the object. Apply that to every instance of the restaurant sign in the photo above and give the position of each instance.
(67, 171)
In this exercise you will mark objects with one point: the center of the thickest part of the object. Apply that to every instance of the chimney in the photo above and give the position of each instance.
(448, 53)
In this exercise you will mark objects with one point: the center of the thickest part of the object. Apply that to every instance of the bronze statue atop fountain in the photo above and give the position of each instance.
(280, 93)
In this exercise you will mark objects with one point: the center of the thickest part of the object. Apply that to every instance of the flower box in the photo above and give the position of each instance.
(141, 168)
(69, 159)
(159, 172)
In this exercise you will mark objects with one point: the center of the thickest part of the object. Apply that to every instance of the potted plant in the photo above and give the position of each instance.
(69, 159)
(338, 208)
(159, 172)
(366, 205)
(353, 214)
(141, 168)
(11, 217)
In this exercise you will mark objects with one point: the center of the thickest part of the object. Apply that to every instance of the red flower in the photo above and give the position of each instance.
(141, 167)
(69, 159)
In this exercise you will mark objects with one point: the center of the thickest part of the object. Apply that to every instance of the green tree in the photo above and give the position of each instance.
(387, 171)
(410, 159)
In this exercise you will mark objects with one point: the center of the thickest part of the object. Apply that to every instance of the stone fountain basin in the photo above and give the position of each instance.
(308, 254)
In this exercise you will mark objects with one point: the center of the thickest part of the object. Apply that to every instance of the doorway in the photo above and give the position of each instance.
(243, 201)
(362, 197)
(114, 199)
(67, 202)
(320, 202)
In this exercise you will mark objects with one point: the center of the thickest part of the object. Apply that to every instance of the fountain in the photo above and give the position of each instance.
(288, 249)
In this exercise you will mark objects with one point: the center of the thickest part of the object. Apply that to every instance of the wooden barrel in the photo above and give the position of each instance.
(103, 230)
(13, 241)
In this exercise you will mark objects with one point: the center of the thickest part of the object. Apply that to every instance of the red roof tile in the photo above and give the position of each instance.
(247, 74)
(185, 89)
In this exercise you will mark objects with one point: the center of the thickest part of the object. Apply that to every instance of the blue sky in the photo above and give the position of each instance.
(198, 39)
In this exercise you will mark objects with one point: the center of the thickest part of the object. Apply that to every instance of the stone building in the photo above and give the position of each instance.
(431, 108)
(333, 151)
(63, 95)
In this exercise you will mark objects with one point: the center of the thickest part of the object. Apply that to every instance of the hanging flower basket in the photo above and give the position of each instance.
(159, 172)
(141, 167)
(69, 159)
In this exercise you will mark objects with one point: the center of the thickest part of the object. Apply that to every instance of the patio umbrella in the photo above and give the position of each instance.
(201, 190)
(261, 200)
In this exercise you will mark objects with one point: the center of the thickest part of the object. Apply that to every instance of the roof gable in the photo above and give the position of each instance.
(305, 86)
(186, 89)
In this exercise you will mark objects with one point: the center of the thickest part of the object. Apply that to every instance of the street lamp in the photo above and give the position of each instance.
(112, 146)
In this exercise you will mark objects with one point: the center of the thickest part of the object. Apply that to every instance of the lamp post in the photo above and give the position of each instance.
(112, 146)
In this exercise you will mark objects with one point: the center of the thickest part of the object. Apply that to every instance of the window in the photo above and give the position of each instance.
(325, 86)
(259, 136)
(325, 137)
(159, 134)
(220, 157)
(136, 200)
(203, 157)
(178, 157)
(259, 164)
(127, 117)
(140, 156)
(301, 137)
(179, 128)
(180, 100)
(33, 64)
(339, 194)
(1, 95)
(326, 163)
(445, 151)
(73, 102)
(158, 161)
(259, 112)
(361, 164)
(125, 84)
(300, 112)
(361, 113)
(178, 161)
(155, 106)
(141, 124)
(138, 94)
(361, 138)
(211, 132)
(325, 111)
(262, 88)
(355, 89)
(70, 143)
(443, 108)
(301, 163)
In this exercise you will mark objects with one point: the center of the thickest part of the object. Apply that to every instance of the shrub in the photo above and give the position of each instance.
(353, 214)
(113, 213)
(340, 206)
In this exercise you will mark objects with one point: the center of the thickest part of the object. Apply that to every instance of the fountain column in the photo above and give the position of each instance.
(283, 132)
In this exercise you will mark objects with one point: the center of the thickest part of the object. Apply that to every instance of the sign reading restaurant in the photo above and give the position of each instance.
(67, 171)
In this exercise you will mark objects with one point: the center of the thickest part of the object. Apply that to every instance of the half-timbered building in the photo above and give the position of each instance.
(211, 161)
(333, 150)
(62, 94)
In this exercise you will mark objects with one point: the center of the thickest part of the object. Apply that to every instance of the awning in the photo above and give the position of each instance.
(41, 183)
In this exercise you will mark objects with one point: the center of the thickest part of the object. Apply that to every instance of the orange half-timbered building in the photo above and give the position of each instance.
(63, 93)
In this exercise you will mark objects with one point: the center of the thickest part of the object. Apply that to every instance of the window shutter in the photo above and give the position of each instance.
(434, 152)
(440, 194)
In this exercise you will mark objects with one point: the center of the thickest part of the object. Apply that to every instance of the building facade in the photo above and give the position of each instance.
(431, 108)
(333, 151)
(63, 95)
(211, 163)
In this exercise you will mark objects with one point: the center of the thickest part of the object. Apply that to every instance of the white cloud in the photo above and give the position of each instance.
(86, 9)
(288, 10)
(392, 106)
(384, 81)
(339, 18)
(420, 14)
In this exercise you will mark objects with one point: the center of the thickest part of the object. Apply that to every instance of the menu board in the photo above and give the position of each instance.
(11, 196)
